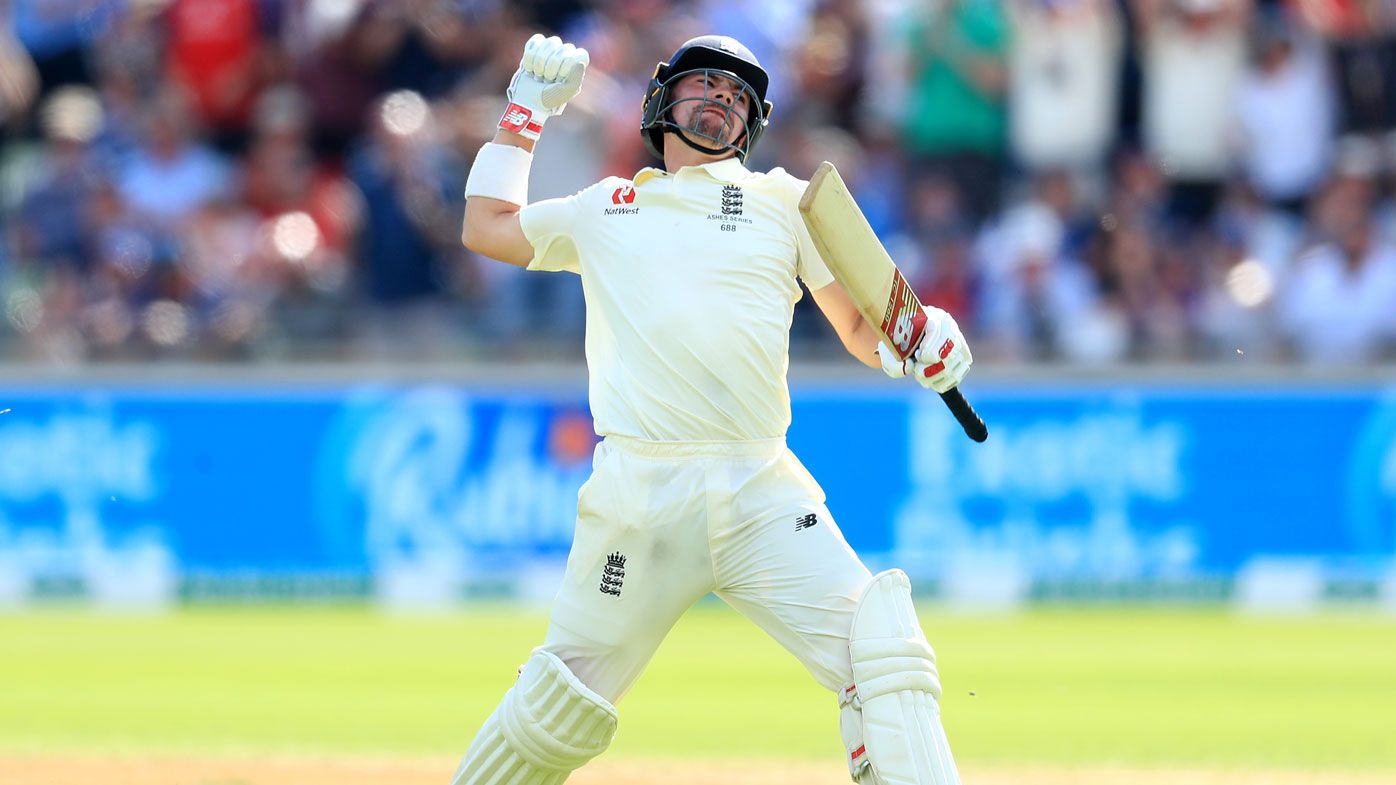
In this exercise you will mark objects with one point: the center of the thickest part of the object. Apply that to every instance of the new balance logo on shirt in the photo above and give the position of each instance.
(805, 521)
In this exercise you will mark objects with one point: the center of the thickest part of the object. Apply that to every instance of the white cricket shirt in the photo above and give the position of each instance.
(689, 282)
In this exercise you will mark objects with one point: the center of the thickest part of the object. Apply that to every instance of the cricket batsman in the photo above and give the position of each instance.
(689, 275)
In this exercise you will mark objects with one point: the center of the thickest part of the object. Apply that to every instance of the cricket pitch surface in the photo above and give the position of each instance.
(198, 770)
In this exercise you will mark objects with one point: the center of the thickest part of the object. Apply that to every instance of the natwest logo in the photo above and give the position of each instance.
(621, 197)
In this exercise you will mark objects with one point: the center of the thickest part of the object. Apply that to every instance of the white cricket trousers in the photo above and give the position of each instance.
(662, 524)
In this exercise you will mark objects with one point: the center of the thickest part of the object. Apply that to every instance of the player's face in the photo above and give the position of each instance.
(712, 105)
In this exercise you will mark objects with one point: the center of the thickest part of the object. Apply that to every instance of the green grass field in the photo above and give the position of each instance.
(1133, 687)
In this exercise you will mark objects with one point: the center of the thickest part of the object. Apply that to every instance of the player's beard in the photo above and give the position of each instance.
(716, 126)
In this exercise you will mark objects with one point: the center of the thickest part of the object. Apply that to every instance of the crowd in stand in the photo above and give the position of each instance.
(1087, 181)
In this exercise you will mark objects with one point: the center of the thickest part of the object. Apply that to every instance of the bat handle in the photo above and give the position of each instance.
(968, 418)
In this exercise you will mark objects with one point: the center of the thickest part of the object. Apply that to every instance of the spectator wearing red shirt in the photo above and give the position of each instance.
(215, 53)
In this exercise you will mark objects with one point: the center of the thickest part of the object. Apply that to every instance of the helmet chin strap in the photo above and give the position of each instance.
(683, 137)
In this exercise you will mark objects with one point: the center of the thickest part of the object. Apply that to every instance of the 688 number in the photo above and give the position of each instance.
(729, 227)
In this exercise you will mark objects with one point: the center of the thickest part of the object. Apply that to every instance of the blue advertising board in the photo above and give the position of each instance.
(1107, 481)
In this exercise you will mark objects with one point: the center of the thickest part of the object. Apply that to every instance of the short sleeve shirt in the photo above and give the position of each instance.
(690, 282)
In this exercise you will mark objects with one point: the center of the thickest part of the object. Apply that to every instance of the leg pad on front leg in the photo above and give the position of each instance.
(890, 715)
(547, 726)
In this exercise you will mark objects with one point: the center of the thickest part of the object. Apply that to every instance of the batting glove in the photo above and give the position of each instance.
(891, 365)
(940, 361)
(550, 74)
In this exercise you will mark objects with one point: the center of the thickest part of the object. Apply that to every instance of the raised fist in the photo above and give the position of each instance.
(550, 74)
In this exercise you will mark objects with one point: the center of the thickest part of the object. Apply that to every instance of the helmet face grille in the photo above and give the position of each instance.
(701, 125)
(715, 55)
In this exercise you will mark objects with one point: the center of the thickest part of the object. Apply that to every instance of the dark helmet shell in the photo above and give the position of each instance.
(717, 53)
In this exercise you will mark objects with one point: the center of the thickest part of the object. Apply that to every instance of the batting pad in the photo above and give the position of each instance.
(548, 724)
(895, 692)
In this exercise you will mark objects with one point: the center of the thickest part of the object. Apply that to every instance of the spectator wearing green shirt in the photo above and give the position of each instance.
(954, 124)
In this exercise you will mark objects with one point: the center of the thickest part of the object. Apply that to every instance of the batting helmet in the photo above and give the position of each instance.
(718, 54)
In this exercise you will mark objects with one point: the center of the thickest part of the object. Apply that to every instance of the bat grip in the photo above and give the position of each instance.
(965, 414)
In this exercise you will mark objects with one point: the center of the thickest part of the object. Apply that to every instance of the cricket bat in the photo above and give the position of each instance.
(861, 265)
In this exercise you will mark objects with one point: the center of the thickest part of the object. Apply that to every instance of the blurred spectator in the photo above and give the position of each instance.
(1036, 298)
(57, 33)
(411, 229)
(1060, 190)
(829, 68)
(1339, 307)
(53, 209)
(954, 114)
(1139, 193)
(1235, 309)
(551, 14)
(626, 39)
(44, 282)
(936, 212)
(305, 215)
(1123, 259)
(221, 257)
(19, 81)
(1284, 117)
(421, 45)
(129, 72)
(949, 282)
(1162, 305)
(938, 259)
(1129, 120)
(320, 46)
(329, 224)
(1038, 303)
(1194, 57)
(1361, 37)
(282, 175)
(771, 29)
(1064, 70)
(133, 300)
(218, 55)
(172, 174)
(1259, 232)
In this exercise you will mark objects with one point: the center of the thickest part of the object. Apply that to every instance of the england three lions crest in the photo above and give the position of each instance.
(613, 574)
